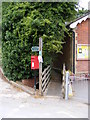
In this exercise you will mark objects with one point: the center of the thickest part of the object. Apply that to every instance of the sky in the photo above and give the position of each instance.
(84, 4)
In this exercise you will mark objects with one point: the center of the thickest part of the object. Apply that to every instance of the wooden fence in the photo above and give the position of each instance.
(46, 76)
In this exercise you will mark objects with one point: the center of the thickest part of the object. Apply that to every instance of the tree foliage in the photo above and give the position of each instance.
(81, 12)
(23, 24)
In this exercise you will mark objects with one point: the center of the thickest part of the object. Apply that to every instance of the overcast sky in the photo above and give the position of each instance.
(84, 4)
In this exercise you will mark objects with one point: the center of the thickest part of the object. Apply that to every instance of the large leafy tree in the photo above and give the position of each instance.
(23, 24)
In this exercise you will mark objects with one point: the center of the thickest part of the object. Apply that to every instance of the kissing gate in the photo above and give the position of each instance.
(45, 76)
(36, 63)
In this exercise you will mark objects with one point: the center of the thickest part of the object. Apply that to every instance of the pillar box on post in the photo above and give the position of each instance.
(34, 66)
(34, 62)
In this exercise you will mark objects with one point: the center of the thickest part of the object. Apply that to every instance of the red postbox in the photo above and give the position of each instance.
(34, 62)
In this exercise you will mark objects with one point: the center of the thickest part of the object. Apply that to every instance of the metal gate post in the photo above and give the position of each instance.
(67, 85)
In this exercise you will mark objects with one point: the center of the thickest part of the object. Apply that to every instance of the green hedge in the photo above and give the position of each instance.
(22, 25)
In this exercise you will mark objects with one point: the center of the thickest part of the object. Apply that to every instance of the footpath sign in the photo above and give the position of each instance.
(35, 48)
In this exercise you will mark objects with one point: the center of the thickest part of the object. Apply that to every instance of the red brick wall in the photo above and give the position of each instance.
(82, 38)
(82, 66)
(82, 32)
(29, 82)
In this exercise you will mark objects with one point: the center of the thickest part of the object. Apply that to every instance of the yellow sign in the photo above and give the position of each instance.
(83, 52)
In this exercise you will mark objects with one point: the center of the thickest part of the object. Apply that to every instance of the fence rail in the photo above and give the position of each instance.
(78, 78)
(46, 75)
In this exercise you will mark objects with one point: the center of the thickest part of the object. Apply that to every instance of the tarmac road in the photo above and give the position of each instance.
(15, 103)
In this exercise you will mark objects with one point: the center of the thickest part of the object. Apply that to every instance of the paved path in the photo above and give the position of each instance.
(80, 88)
(54, 88)
(18, 104)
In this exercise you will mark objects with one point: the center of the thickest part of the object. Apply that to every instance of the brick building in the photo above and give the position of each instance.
(76, 50)
(81, 44)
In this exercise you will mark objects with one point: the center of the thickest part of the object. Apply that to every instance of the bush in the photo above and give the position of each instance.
(22, 25)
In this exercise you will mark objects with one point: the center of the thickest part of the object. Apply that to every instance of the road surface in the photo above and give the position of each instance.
(15, 103)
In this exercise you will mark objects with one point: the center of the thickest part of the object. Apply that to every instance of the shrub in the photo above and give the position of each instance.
(22, 25)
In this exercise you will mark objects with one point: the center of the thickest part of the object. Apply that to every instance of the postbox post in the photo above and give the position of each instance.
(35, 80)
(40, 67)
